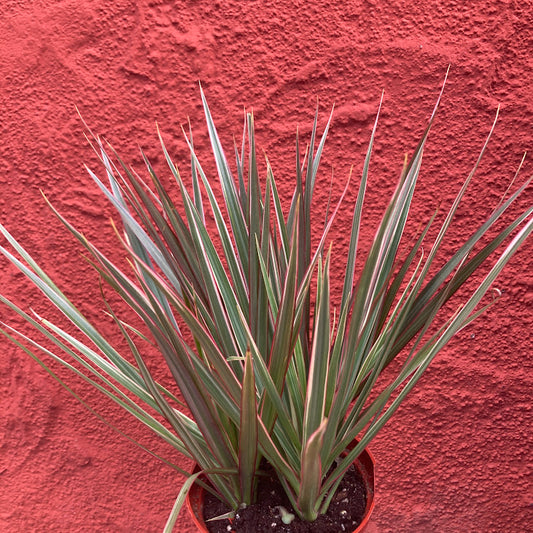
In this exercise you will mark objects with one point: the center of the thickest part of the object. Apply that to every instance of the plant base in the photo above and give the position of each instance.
(349, 510)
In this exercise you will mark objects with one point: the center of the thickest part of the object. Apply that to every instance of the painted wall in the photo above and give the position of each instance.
(455, 458)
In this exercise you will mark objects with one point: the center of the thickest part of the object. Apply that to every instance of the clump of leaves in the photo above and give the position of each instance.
(244, 321)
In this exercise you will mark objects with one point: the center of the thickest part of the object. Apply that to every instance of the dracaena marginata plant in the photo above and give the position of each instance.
(241, 313)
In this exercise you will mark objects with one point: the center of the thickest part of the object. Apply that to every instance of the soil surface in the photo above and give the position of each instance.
(345, 512)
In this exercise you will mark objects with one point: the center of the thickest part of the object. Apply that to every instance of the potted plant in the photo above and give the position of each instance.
(235, 293)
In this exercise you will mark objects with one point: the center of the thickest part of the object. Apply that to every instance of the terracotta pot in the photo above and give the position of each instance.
(364, 463)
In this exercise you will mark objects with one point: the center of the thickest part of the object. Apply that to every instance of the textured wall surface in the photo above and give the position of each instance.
(456, 457)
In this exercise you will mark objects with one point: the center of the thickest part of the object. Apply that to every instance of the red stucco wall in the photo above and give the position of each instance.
(455, 458)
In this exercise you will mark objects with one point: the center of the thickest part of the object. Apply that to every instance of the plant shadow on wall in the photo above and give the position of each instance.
(273, 380)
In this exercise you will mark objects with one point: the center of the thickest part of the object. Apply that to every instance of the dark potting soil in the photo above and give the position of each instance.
(344, 514)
